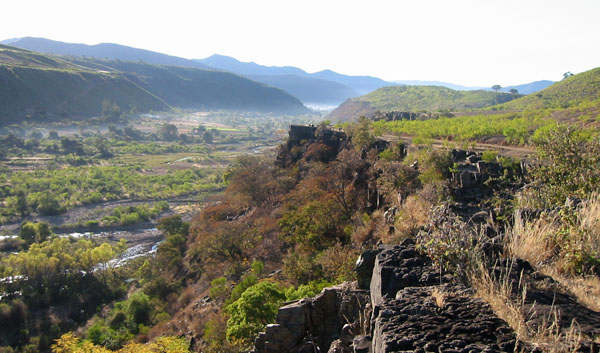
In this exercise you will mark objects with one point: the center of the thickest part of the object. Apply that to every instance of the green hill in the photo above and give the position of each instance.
(573, 91)
(417, 98)
(44, 87)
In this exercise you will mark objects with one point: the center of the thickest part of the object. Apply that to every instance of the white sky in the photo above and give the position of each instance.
(470, 42)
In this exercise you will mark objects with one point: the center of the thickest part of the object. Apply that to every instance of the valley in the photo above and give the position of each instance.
(152, 203)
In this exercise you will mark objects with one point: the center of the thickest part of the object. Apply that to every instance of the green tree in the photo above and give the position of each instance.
(513, 91)
(361, 133)
(168, 132)
(496, 88)
(256, 308)
(48, 205)
(21, 203)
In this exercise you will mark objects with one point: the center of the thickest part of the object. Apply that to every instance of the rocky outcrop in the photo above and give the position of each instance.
(415, 308)
(438, 319)
(399, 267)
(314, 324)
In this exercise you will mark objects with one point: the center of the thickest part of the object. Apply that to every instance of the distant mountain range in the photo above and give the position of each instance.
(324, 88)
(101, 51)
(43, 87)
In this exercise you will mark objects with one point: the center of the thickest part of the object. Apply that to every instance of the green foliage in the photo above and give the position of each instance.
(423, 98)
(56, 267)
(489, 156)
(168, 132)
(361, 133)
(172, 225)
(255, 308)
(127, 215)
(573, 91)
(35, 232)
(310, 289)
(316, 224)
(53, 191)
(434, 165)
(516, 127)
(450, 242)
(569, 159)
(218, 288)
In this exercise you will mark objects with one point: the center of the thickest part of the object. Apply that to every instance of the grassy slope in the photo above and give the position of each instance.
(573, 100)
(46, 87)
(570, 92)
(417, 98)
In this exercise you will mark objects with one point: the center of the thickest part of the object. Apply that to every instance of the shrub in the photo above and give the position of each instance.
(249, 314)
(569, 166)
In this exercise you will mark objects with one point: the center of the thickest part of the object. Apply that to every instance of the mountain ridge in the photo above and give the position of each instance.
(103, 50)
(46, 87)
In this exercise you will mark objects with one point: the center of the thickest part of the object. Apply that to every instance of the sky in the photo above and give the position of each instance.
(469, 42)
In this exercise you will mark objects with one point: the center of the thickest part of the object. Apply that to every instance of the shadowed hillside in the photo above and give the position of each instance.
(104, 51)
(48, 88)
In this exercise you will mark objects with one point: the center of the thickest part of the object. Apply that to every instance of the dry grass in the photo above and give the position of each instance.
(546, 335)
(537, 242)
(498, 293)
(533, 240)
(439, 296)
(412, 215)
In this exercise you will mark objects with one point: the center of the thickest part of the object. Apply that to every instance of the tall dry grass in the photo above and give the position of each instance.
(500, 294)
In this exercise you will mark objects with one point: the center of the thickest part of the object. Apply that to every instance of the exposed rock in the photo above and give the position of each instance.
(415, 322)
(313, 324)
(364, 267)
(399, 267)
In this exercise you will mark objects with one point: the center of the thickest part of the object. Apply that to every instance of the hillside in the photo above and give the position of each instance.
(417, 98)
(525, 88)
(572, 91)
(103, 51)
(46, 88)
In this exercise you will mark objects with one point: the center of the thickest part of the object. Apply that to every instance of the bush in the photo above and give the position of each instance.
(255, 308)
(569, 159)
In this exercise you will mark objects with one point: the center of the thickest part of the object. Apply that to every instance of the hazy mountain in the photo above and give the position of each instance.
(307, 89)
(46, 87)
(103, 51)
(359, 84)
(531, 87)
(417, 98)
(362, 84)
(228, 63)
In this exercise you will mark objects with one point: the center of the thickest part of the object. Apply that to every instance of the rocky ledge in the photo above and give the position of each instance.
(405, 304)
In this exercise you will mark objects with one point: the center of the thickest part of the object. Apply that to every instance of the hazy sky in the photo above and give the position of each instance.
(471, 42)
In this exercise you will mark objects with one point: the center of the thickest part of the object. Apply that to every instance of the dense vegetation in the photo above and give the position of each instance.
(516, 128)
(416, 99)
